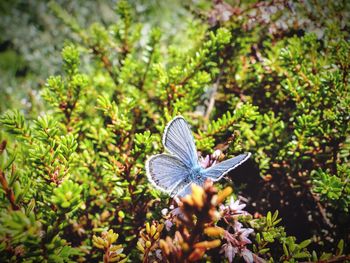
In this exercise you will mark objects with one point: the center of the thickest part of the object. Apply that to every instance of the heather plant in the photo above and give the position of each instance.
(270, 78)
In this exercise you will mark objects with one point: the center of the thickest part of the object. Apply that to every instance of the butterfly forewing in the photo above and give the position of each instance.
(167, 172)
(178, 140)
(217, 171)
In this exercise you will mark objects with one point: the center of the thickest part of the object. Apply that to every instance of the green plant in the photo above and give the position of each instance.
(73, 177)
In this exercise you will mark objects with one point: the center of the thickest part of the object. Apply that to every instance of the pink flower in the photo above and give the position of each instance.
(171, 215)
(232, 211)
(237, 226)
(168, 224)
(258, 259)
(235, 207)
(159, 254)
(210, 160)
(207, 161)
(243, 235)
(247, 255)
(230, 251)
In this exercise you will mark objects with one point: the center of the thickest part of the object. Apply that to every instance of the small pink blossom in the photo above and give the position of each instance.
(230, 251)
(243, 235)
(210, 160)
(159, 254)
(168, 224)
(164, 211)
(237, 241)
(247, 255)
(170, 215)
(236, 207)
(233, 210)
(207, 161)
(258, 259)
(237, 226)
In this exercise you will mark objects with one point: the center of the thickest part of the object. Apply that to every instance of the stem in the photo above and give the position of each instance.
(212, 97)
(145, 256)
(146, 70)
(9, 191)
(106, 256)
(189, 76)
(334, 157)
(106, 63)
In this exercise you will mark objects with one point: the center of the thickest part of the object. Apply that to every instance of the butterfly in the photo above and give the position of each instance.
(175, 171)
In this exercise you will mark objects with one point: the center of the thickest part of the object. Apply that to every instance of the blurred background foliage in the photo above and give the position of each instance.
(25, 67)
(88, 86)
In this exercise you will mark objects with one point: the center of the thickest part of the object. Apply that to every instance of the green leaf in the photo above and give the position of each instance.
(305, 243)
(302, 255)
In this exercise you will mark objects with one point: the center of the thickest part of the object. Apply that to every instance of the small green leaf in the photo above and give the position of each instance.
(302, 255)
(285, 250)
(305, 243)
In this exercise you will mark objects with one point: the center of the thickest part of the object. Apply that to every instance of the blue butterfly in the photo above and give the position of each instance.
(174, 173)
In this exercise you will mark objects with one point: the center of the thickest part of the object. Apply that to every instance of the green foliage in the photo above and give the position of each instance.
(67, 195)
(332, 188)
(72, 169)
(13, 121)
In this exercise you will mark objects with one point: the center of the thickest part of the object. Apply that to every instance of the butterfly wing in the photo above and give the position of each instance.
(184, 190)
(217, 171)
(178, 140)
(167, 173)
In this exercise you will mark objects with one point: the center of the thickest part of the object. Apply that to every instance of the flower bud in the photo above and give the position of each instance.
(140, 247)
(197, 195)
(156, 236)
(164, 246)
(216, 154)
(223, 194)
(197, 254)
(98, 242)
(153, 230)
(208, 244)
(148, 229)
(214, 231)
(160, 228)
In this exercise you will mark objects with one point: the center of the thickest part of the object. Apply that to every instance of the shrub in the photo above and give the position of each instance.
(73, 178)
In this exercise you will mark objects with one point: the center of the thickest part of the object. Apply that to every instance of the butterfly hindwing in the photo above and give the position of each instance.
(184, 190)
(217, 171)
(167, 172)
(178, 140)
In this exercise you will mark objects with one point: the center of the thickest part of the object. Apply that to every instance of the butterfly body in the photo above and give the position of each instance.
(196, 174)
(175, 171)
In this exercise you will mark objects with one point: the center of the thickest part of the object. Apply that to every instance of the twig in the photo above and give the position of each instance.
(184, 81)
(106, 63)
(9, 192)
(322, 210)
(143, 80)
(212, 97)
